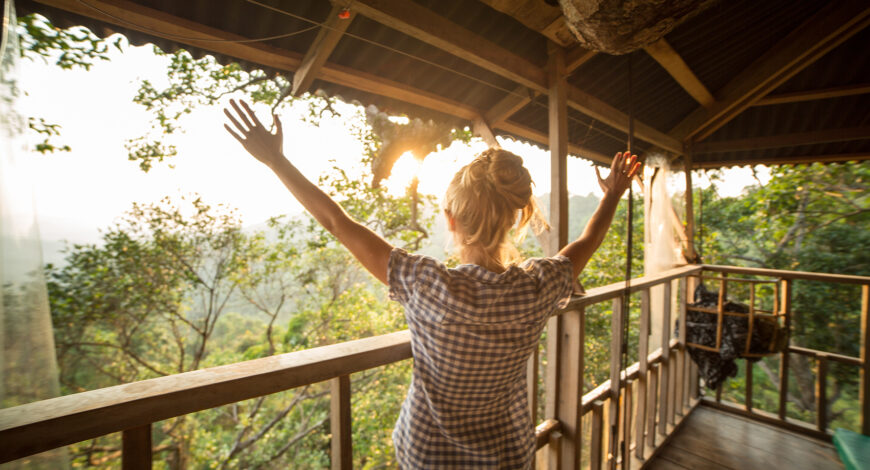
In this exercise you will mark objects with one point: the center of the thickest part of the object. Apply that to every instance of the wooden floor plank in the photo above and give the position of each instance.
(717, 440)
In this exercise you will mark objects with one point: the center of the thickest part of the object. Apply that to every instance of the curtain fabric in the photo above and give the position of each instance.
(28, 366)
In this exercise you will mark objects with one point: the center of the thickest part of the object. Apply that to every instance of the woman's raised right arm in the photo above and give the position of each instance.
(367, 246)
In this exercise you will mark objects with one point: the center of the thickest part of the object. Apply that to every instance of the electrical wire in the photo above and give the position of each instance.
(315, 24)
(188, 38)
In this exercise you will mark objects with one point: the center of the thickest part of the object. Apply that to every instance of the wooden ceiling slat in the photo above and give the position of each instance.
(509, 105)
(784, 140)
(812, 95)
(668, 58)
(327, 38)
(831, 26)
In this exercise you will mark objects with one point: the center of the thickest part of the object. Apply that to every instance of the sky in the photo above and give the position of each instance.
(79, 192)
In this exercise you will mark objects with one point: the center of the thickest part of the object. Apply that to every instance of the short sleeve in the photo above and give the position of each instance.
(407, 271)
(555, 279)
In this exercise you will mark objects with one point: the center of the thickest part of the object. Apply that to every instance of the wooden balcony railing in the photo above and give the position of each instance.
(658, 391)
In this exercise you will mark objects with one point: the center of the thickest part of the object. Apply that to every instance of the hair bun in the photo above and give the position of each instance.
(510, 180)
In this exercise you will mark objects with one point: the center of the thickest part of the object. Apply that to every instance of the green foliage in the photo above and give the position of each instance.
(807, 218)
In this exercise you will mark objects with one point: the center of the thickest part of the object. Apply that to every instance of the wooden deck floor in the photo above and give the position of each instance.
(716, 440)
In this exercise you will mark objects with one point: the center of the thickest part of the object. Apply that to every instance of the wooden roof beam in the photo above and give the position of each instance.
(831, 26)
(327, 38)
(601, 111)
(543, 139)
(420, 22)
(784, 140)
(811, 95)
(130, 15)
(577, 56)
(509, 105)
(668, 58)
(803, 159)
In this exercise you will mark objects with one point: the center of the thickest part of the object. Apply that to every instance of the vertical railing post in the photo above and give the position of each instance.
(596, 435)
(651, 403)
(136, 448)
(864, 392)
(340, 423)
(821, 392)
(665, 368)
(785, 309)
(748, 386)
(643, 367)
(567, 406)
(682, 376)
(615, 372)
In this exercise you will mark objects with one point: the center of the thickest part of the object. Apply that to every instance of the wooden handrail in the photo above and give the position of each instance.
(807, 276)
(56, 422)
(40, 426)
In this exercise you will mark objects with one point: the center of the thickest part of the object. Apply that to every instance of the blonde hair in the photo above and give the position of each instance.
(488, 197)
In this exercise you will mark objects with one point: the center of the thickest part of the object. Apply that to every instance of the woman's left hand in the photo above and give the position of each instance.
(260, 142)
(622, 170)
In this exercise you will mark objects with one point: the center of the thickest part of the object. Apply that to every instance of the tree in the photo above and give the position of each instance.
(807, 218)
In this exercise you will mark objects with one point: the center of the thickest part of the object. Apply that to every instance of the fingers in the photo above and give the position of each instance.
(276, 121)
(237, 136)
(242, 115)
(251, 114)
(241, 128)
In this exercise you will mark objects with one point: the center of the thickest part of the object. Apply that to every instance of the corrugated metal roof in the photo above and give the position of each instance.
(717, 45)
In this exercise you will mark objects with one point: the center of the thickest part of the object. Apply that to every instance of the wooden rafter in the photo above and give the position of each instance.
(327, 38)
(421, 23)
(668, 58)
(811, 95)
(577, 56)
(831, 26)
(509, 105)
(594, 107)
(541, 138)
(133, 16)
(784, 140)
(833, 158)
(537, 16)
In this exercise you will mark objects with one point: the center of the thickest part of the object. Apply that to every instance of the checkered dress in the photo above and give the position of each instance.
(472, 332)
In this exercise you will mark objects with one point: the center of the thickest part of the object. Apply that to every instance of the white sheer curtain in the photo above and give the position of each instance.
(28, 367)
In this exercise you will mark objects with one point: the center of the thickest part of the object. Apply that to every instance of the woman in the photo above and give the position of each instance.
(473, 327)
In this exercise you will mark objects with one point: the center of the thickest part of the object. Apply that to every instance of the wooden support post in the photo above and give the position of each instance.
(723, 289)
(568, 406)
(666, 364)
(785, 306)
(597, 431)
(643, 367)
(652, 401)
(558, 139)
(864, 392)
(690, 210)
(340, 423)
(136, 448)
(821, 392)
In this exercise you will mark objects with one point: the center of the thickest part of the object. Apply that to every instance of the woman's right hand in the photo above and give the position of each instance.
(260, 142)
(622, 171)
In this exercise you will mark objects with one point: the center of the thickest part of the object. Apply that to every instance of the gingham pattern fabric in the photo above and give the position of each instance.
(472, 332)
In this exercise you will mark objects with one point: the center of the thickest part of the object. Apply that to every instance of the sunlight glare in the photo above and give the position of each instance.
(406, 168)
